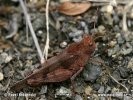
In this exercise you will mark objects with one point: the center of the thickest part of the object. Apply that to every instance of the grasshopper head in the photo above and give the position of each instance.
(89, 43)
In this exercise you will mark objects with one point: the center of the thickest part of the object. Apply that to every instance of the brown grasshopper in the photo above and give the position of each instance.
(67, 65)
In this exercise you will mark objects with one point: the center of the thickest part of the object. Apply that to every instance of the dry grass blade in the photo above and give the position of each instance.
(72, 9)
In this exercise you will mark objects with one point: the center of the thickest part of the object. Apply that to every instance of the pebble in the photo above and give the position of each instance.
(63, 44)
(39, 21)
(43, 90)
(78, 97)
(43, 97)
(131, 13)
(77, 39)
(6, 71)
(113, 51)
(21, 97)
(91, 72)
(96, 86)
(101, 29)
(39, 32)
(1, 76)
(128, 36)
(126, 49)
(116, 20)
(94, 30)
(76, 33)
(108, 9)
(107, 89)
(5, 58)
(112, 43)
(8, 59)
(88, 90)
(124, 72)
(117, 35)
(101, 90)
(85, 26)
(116, 28)
(63, 91)
(79, 86)
(130, 63)
(120, 40)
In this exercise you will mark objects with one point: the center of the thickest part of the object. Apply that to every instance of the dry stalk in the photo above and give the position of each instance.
(32, 30)
(126, 9)
(45, 53)
(119, 83)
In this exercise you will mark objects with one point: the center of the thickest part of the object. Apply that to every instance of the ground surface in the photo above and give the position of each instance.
(18, 54)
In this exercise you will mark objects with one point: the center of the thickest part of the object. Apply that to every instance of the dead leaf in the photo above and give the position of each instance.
(72, 9)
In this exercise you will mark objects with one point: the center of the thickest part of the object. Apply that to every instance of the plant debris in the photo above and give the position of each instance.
(72, 9)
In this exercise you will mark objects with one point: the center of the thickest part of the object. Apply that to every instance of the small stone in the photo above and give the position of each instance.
(109, 9)
(1, 87)
(96, 86)
(128, 36)
(78, 97)
(129, 23)
(8, 59)
(91, 72)
(101, 29)
(108, 89)
(126, 49)
(6, 71)
(116, 19)
(40, 32)
(120, 40)
(88, 90)
(117, 35)
(1, 50)
(76, 33)
(63, 44)
(43, 90)
(94, 30)
(77, 39)
(114, 51)
(112, 43)
(43, 97)
(3, 57)
(124, 72)
(101, 90)
(131, 14)
(63, 91)
(130, 63)
(1, 76)
(114, 56)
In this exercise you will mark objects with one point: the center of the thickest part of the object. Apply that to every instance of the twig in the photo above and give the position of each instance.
(27, 28)
(113, 77)
(32, 31)
(119, 83)
(124, 21)
(47, 26)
